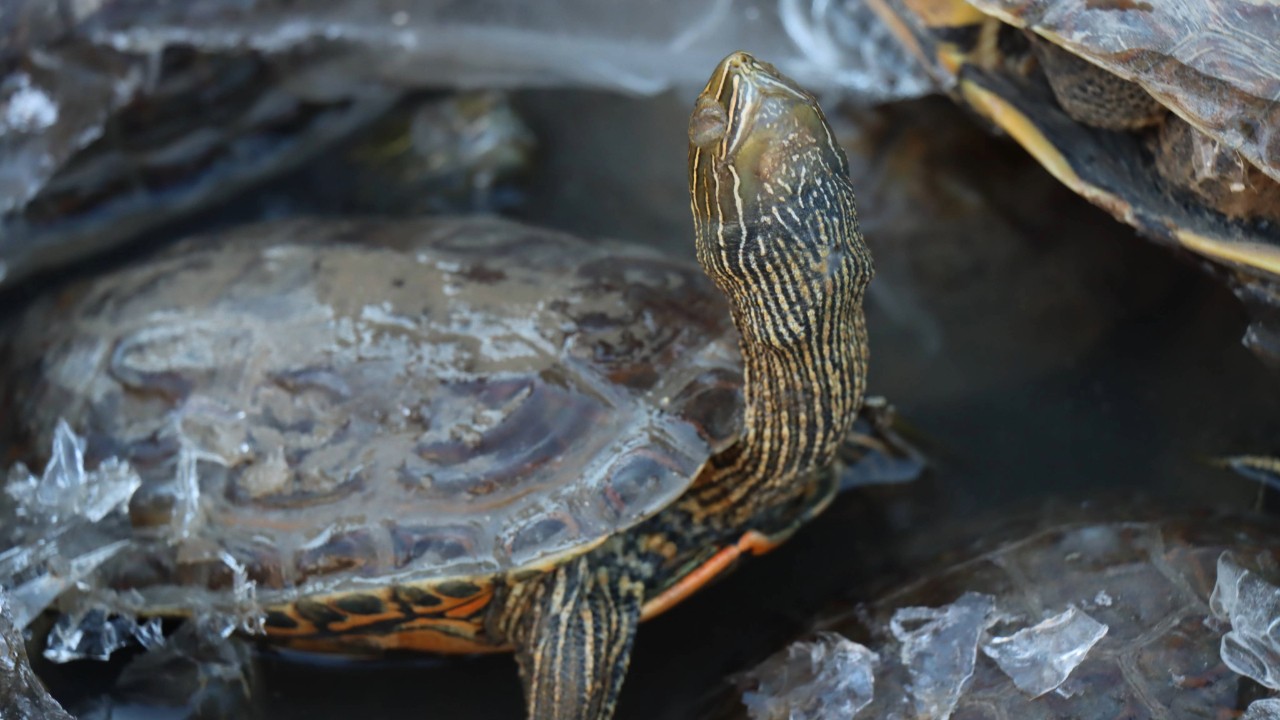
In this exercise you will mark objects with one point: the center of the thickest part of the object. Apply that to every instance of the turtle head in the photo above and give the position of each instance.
(775, 228)
(772, 204)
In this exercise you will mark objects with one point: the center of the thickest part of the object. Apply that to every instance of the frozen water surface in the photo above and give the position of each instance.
(939, 647)
(66, 524)
(1038, 659)
(1252, 605)
(830, 676)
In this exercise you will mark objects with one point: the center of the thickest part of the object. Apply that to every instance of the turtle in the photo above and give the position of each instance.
(112, 167)
(464, 434)
(1135, 589)
(1163, 114)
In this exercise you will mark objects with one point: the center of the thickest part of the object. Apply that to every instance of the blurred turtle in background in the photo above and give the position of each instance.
(1163, 114)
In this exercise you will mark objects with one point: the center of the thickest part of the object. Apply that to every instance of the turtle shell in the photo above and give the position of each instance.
(344, 404)
(1148, 580)
(1215, 66)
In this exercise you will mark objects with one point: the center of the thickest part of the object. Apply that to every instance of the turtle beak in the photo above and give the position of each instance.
(748, 128)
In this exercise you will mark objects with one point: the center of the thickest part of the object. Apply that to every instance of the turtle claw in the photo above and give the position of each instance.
(875, 452)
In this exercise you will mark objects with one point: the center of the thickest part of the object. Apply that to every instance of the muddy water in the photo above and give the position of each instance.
(1033, 347)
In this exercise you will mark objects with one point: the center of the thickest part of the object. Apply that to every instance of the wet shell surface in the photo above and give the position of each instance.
(346, 404)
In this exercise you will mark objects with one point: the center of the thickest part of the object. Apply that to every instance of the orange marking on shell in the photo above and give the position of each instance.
(431, 635)
(440, 635)
(449, 604)
(471, 606)
(753, 542)
(354, 623)
(443, 628)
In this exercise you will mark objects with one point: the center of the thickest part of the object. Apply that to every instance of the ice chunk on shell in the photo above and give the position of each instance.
(56, 528)
(65, 490)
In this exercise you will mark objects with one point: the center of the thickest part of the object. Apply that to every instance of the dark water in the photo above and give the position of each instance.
(1033, 347)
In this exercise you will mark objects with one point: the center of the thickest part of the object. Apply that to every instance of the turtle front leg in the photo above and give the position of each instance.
(573, 630)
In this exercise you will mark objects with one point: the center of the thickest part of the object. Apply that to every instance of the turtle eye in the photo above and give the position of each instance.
(708, 123)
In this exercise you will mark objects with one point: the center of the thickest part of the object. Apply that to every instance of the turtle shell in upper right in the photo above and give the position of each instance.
(1194, 160)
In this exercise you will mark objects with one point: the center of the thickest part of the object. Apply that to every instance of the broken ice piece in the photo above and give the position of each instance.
(22, 696)
(939, 649)
(1267, 709)
(1252, 605)
(96, 633)
(1039, 658)
(830, 676)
